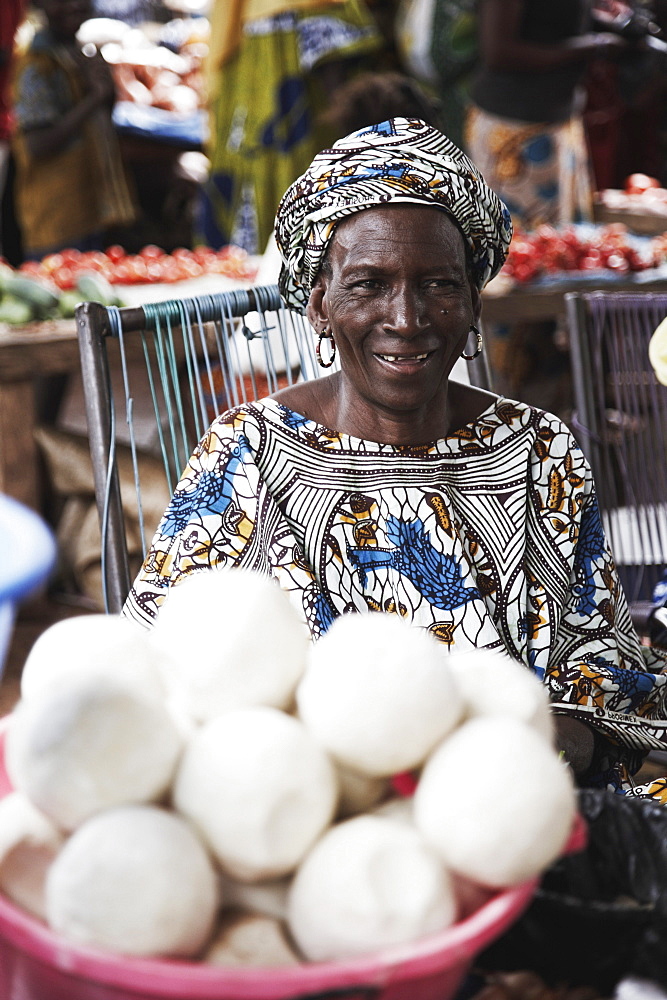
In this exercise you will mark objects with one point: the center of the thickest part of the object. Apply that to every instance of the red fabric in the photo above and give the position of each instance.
(11, 13)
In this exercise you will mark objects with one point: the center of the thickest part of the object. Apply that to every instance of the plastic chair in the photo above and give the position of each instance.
(620, 421)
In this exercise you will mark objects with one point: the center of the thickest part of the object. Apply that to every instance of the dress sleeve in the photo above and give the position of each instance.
(221, 515)
(210, 521)
(598, 670)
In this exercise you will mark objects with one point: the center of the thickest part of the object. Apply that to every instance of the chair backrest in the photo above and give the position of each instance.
(620, 421)
(155, 376)
(169, 368)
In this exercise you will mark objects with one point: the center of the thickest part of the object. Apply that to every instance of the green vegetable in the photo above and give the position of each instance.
(41, 299)
(15, 311)
(5, 272)
(93, 287)
(68, 303)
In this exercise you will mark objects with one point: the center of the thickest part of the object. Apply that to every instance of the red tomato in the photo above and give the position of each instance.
(638, 183)
(52, 262)
(151, 252)
(32, 267)
(115, 252)
(123, 274)
(64, 278)
(70, 255)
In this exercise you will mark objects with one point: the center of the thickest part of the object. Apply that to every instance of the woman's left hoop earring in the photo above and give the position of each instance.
(325, 335)
(478, 349)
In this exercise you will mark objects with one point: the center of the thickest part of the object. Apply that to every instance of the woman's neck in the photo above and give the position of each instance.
(325, 401)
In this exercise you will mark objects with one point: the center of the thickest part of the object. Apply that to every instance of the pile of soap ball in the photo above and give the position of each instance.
(221, 788)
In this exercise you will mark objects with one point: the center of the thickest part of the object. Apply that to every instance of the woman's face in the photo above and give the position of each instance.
(396, 294)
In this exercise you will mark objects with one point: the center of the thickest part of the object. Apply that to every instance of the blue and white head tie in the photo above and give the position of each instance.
(402, 160)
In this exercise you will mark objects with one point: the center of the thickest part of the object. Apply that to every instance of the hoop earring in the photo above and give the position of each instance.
(478, 349)
(325, 335)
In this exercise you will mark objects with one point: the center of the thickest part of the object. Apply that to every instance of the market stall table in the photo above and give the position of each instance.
(47, 348)
(504, 301)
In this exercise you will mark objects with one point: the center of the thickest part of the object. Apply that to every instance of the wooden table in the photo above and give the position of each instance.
(48, 348)
(502, 303)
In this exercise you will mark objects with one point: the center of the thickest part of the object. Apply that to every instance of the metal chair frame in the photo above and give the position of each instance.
(620, 420)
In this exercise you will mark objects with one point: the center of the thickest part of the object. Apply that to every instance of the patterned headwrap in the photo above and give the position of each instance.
(403, 160)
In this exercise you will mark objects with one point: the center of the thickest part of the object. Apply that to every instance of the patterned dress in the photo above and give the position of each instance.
(490, 537)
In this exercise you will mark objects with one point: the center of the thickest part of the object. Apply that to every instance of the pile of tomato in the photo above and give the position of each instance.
(150, 266)
(548, 250)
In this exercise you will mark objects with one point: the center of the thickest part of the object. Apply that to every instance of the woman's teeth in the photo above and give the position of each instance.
(403, 357)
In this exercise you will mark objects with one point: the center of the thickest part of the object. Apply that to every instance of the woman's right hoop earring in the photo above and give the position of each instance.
(478, 349)
(325, 334)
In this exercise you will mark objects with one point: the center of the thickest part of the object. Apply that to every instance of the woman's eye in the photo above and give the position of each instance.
(368, 283)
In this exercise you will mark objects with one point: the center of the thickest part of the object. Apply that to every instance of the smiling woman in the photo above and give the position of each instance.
(387, 486)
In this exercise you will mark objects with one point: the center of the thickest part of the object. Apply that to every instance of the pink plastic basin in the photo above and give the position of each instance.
(36, 964)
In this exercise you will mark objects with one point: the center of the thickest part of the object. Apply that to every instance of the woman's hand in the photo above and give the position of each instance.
(100, 93)
(100, 80)
(577, 742)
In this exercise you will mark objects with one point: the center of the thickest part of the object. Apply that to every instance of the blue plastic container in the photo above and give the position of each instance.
(27, 554)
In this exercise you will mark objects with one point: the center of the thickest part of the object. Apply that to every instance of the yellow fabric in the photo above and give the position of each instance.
(77, 192)
(227, 19)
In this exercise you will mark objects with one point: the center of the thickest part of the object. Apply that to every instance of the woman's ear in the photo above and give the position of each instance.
(316, 310)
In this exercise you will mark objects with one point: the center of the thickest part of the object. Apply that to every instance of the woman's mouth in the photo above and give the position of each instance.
(405, 361)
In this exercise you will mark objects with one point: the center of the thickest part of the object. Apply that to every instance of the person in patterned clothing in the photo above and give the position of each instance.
(387, 486)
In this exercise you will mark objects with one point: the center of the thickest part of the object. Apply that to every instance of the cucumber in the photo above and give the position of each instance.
(94, 287)
(38, 296)
(5, 272)
(68, 303)
(15, 311)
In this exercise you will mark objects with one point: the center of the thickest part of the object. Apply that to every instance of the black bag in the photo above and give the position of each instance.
(601, 914)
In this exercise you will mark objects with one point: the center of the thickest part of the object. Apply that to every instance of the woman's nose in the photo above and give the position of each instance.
(405, 312)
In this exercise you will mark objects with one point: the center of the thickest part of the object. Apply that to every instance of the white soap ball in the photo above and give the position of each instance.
(96, 743)
(492, 683)
(378, 694)
(29, 842)
(399, 807)
(251, 940)
(259, 789)
(368, 884)
(496, 801)
(267, 898)
(105, 644)
(358, 792)
(134, 880)
(227, 639)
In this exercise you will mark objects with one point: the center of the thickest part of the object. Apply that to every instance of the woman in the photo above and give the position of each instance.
(71, 188)
(271, 69)
(388, 487)
(524, 129)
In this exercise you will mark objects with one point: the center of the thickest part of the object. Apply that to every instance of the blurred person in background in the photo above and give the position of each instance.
(437, 41)
(70, 182)
(372, 96)
(11, 13)
(273, 66)
(524, 128)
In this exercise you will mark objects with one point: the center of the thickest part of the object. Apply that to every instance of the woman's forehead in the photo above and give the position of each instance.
(415, 225)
